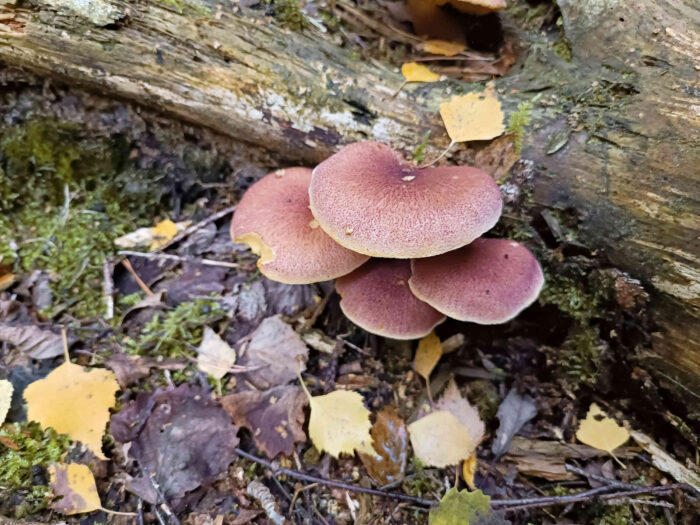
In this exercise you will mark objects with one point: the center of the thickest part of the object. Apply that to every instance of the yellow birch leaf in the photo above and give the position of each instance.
(428, 354)
(162, 233)
(74, 401)
(414, 72)
(215, 356)
(439, 439)
(474, 116)
(442, 47)
(601, 432)
(339, 423)
(469, 470)
(76, 486)
(5, 398)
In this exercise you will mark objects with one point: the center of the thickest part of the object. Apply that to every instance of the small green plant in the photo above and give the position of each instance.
(176, 332)
(32, 448)
(517, 122)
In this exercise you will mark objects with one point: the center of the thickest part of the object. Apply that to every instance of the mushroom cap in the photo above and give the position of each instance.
(368, 199)
(489, 281)
(376, 297)
(476, 7)
(274, 220)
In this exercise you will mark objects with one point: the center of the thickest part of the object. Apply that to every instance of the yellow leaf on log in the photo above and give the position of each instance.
(474, 116)
(414, 72)
(74, 401)
(162, 233)
(75, 484)
(442, 47)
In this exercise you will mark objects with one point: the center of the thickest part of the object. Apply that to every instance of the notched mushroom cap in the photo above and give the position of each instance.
(489, 281)
(368, 199)
(274, 220)
(376, 297)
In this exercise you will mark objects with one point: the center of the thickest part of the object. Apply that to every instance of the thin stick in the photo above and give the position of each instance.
(178, 258)
(108, 287)
(195, 227)
(601, 479)
(117, 513)
(452, 143)
(64, 338)
(331, 483)
(142, 285)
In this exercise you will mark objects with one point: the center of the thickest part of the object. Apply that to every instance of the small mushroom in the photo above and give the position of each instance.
(476, 7)
(370, 200)
(489, 281)
(377, 298)
(274, 220)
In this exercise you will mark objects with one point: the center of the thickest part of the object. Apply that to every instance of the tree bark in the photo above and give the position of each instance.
(627, 101)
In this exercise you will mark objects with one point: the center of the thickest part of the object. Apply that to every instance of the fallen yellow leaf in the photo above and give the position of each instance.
(215, 356)
(76, 486)
(339, 423)
(74, 401)
(5, 398)
(601, 432)
(428, 354)
(414, 72)
(442, 47)
(439, 439)
(469, 470)
(474, 116)
(162, 233)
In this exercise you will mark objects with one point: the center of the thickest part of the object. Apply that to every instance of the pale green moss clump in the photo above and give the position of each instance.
(35, 449)
(517, 123)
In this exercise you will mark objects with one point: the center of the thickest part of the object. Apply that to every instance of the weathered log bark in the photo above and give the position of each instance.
(628, 102)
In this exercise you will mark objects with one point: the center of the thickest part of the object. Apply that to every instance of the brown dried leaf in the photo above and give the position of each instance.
(390, 441)
(275, 417)
(272, 354)
(498, 157)
(468, 416)
(35, 342)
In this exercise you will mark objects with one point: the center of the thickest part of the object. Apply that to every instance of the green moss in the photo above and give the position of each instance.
(177, 332)
(570, 295)
(517, 122)
(64, 198)
(581, 357)
(562, 48)
(36, 448)
(289, 14)
(419, 151)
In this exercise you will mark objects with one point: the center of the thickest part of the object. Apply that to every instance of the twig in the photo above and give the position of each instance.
(195, 227)
(331, 483)
(630, 501)
(142, 285)
(601, 479)
(108, 287)
(178, 258)
(161, 497)
(526, 503)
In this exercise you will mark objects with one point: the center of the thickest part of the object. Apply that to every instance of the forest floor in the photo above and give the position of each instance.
(78, 172)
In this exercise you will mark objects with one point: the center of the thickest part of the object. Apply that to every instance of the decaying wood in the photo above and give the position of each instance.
(628, 102)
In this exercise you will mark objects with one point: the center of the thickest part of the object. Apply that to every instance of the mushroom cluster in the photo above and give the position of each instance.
(403, 243)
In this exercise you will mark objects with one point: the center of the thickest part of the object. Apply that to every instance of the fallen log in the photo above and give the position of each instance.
(613, 134)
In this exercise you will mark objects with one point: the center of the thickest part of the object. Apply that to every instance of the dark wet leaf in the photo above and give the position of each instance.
(390, 440)
(180, 436)
(514, 412)
(196, 280)
(130, 368)
(274, 417)
(271, 354)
